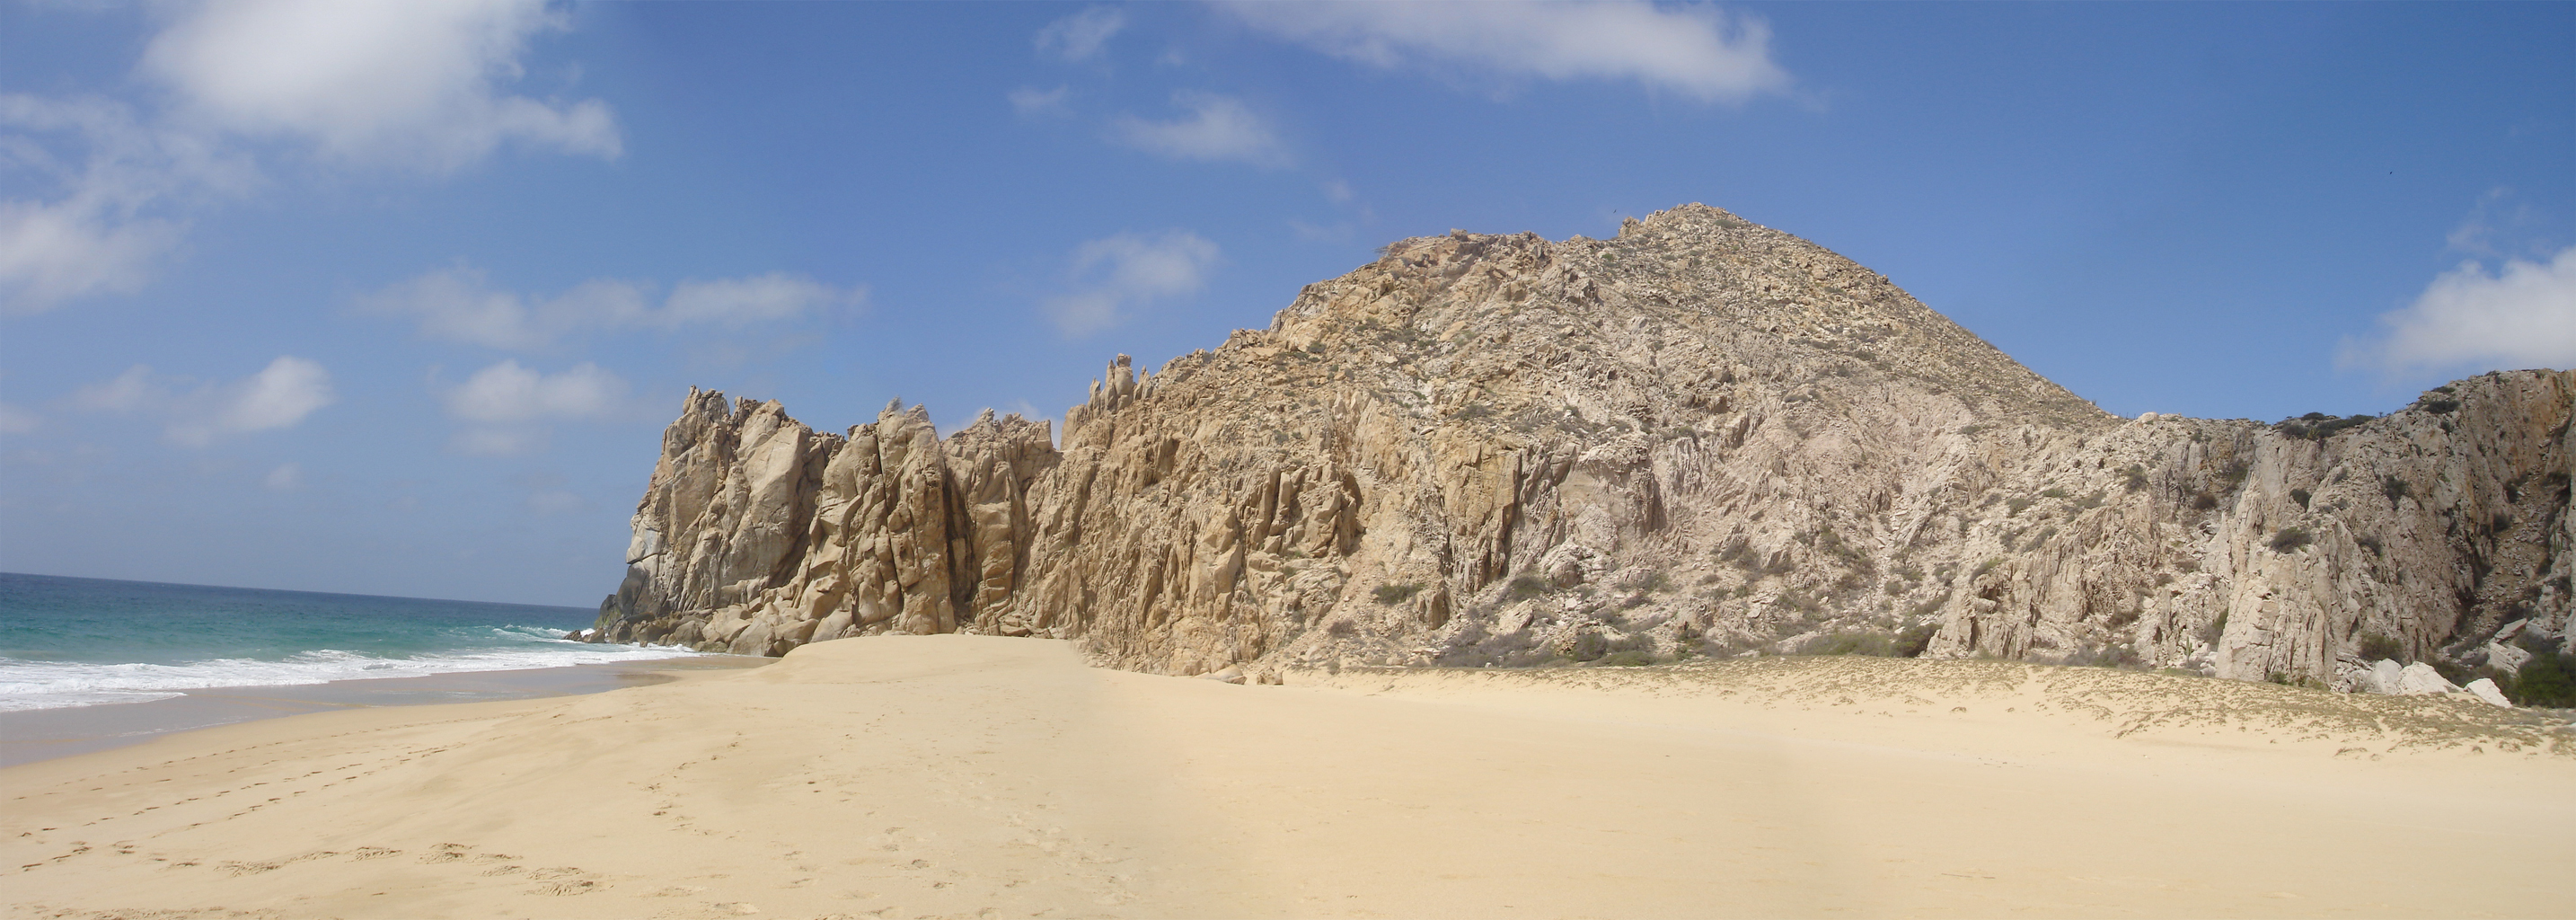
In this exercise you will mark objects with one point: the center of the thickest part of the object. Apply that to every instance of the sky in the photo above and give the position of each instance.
(396, 298)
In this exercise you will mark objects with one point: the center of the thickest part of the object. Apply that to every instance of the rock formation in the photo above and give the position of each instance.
(1701, 437)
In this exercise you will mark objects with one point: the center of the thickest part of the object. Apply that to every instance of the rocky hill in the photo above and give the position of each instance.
(1701, 437)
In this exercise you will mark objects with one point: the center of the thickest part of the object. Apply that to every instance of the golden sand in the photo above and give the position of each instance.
(959, 776)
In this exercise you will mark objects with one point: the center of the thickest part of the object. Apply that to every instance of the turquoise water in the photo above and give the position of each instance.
(87, 641)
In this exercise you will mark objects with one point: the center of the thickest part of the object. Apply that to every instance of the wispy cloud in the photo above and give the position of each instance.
(15, 420)
(120, 190)
(2471, 318)
(506, 392)
(1030, 101)
(1216, 128)
(1696, 51)
(1115, 276)
(287, 477)
(458, 304)
(279, 396)
(1081, 36)
(507, 406)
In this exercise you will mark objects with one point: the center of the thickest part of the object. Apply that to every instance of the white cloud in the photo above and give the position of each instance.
(410, 84)
(1696, 51)
(281, 395)
(1217, 128)
(457, 304)
(1080, 36)
(1032, 101)
(506, 393)
(1118, 274)
(14, 420)
(287, 477)
(2522, 316)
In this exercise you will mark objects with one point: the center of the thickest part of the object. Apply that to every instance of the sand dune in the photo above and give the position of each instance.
(974, 776)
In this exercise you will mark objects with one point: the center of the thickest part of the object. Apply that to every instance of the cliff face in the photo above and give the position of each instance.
(1701, 436)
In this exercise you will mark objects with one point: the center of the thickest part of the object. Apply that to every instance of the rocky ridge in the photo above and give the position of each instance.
(1701, 437)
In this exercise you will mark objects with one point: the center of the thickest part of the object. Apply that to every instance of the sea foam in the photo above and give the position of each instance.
(54, 684)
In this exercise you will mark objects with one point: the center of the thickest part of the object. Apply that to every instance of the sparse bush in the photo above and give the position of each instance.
(2291, 539)
(2114, 655)
(2016, 505)
(1343, 629)
(2134, 478)
(1395, 594)
(2233, 474)
(2440, 405)
(1528, 586)
(2203, 501)
(1912, 642)
(1475, 647)
(1878, 645)
(1628, 659)
(1798, 601)
(2318, 426)
(2395, 488)
(2217, 628)
(2381, 646)
(1622, 651)
(2053, 492)
(2300, 496)
(1651, 581)
(2546, 680)
(1833, 544)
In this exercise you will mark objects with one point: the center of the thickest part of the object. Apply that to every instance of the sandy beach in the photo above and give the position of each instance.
(960, 776)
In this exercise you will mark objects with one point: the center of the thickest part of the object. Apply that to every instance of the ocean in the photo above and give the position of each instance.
(75, 642)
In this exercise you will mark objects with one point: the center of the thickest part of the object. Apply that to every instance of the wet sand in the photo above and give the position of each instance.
(960, 776)
(42, 734)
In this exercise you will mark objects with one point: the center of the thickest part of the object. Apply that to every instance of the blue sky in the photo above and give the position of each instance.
(395, 299)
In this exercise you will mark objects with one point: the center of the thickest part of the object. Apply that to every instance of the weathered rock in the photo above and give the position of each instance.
(2386, 677)
(2486, 690)
(1703, 435)
(2419, 679)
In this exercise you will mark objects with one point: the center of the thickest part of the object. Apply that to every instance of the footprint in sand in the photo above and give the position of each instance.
(565, 887)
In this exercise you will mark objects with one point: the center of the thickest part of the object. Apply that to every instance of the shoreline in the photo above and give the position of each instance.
(35, 735)
(976, 775)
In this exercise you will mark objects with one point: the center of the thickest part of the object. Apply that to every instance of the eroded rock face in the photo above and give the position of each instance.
(1703, 435)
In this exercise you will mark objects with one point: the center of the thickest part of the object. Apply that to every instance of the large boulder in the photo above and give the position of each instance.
(2419, 679)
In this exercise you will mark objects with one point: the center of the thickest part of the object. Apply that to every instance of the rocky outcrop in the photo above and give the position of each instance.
(1703, 436)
